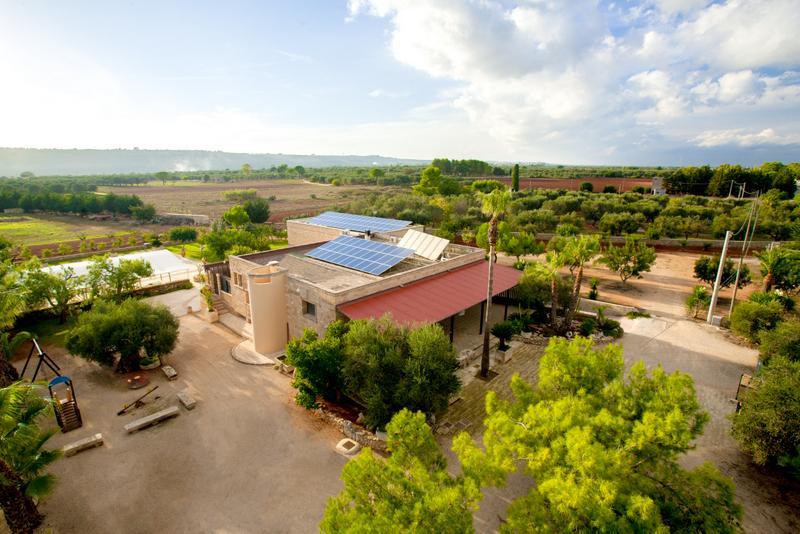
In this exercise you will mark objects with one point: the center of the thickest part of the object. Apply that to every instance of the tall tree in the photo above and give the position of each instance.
(247, 169)
(411, 491)
(495, 205)
(236, 216)
(515, 177)
(57, 289)
(23, 457)
(603, 448)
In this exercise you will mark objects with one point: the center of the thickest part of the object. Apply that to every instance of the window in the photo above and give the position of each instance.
(309, 310)
(225, 282)
(237, 280)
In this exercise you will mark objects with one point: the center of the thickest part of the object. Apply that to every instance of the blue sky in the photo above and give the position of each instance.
(650, 82)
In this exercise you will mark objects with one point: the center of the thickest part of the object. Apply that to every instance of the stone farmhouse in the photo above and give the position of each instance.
(343, 266)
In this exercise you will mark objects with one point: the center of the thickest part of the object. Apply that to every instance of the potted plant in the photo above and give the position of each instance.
(504, 331)
(208, 296)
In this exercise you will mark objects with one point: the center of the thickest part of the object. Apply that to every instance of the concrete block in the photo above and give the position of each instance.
(75, 447)
(186, 399)
(347, 447)
(169, 372)
(152, 419)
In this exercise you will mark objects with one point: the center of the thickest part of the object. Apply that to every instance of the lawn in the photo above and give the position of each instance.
(192, 250)
(38, 230)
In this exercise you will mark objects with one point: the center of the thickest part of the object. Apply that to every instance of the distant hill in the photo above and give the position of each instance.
(44, 162)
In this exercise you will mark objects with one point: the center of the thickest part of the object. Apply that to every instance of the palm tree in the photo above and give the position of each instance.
(12, 303)
(578, 250)
(771, 260)
(23, 457)
(494, 204)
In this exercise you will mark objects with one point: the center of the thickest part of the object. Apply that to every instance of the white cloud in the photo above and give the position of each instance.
(605, 75)
(383, 93)
(743, 138)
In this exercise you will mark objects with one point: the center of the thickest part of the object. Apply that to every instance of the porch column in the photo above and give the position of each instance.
(452, 327)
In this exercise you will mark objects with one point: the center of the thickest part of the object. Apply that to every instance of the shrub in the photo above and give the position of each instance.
(705, 270)
(610, 189)
(636, 314)
(522, 321)
(208, 296)
(587, 186)
(772, 296)
(698, 299)
(183, 234)
(504, 331)
(768, 424)
(588, 327)
(783, 341)
(751, 319)
(609, 327)
(639, 189)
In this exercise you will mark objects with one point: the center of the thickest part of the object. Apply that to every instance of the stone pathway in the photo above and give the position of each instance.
(467, 413)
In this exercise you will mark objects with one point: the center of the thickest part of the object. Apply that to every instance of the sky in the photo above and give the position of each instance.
(650, 82)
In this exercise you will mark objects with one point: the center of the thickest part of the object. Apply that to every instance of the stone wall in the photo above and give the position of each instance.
(353, 431)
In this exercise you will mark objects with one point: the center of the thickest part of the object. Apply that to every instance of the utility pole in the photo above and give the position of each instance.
(718, 281)
(730, 191)
(744, 251)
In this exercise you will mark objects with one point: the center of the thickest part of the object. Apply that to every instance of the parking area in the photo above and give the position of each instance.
(246, 459)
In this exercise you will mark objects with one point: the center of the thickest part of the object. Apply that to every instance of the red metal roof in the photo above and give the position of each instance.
(434, 298)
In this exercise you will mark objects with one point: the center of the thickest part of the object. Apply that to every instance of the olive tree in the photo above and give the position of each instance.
(124, 334)
(630, 260)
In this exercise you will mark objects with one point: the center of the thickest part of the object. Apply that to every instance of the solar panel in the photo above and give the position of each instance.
(359, 254)
(425, 245)
(357, 223)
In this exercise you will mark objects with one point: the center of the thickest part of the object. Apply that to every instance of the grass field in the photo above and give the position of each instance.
(193, 249)
(54, 229)
(292, 197)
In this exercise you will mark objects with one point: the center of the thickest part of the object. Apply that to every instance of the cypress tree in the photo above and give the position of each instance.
(515, 178)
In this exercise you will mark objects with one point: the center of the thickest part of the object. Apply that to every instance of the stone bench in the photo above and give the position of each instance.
(75, 447)
(186, 399)
(151, 419)
(169, 372)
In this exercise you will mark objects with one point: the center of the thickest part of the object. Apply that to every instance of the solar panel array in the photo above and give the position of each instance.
(425, 245)
(357, 223)
(359, 254)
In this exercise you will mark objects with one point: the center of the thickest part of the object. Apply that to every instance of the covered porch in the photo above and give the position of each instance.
(455, 299)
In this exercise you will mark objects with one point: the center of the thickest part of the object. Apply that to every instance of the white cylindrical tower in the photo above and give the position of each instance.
(267, 288)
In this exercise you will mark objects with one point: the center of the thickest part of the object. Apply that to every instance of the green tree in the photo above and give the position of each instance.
(587, 186)
(247, 170)
(495, 205)
(698, 299)
(515, 177)
(12, 304)
(375, 172)
(520, 244)
(631, 259)
(410, 491)
(144, 213)
(388, 367)
(257, 210)
(750, 319)
(116, 280)
(57, 289)
(318, 364)
(429, 181)
(183, 234)
(572, 252)
(236, 216)
(620, 223)
(768, 424)
(780, 268)
(124, 333)
(705, 270)
(603, 448)
(163, 176)
(23, 457)
(783, 342)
